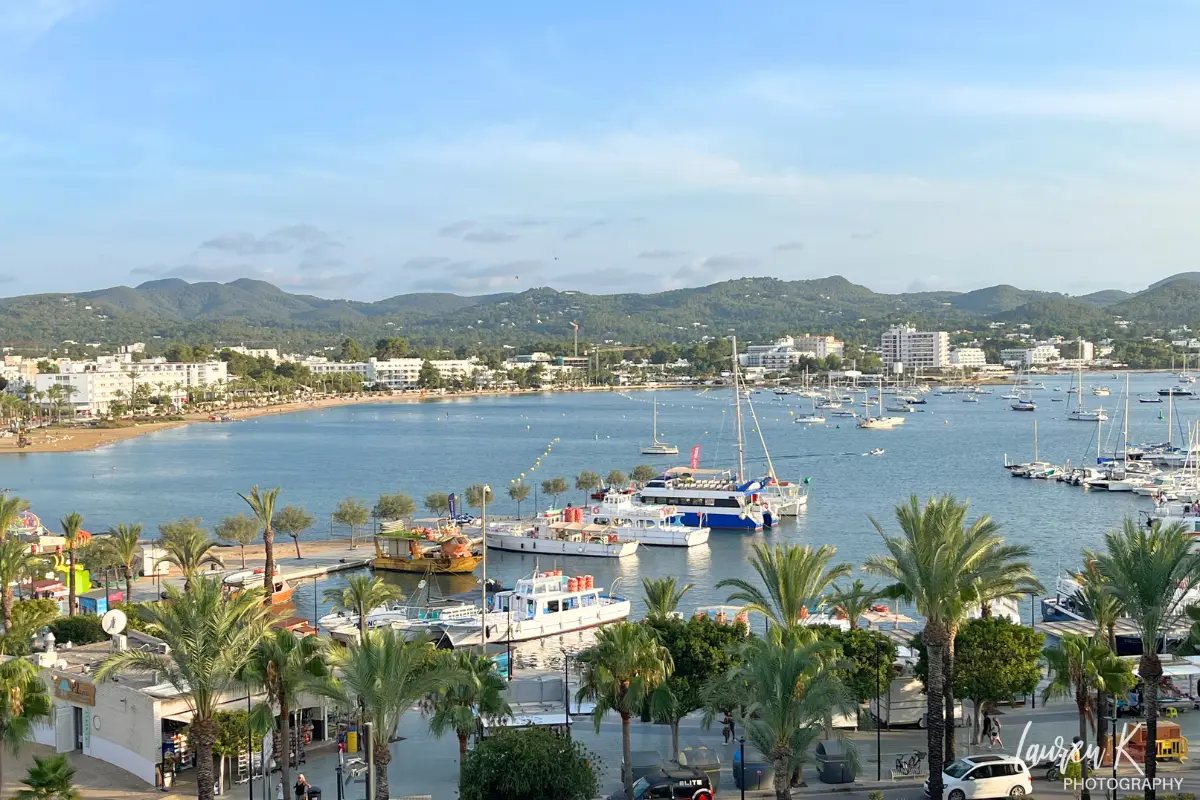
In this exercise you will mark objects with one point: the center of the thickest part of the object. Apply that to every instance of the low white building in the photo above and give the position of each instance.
(789, 351)
(133, 721)
(396, 373)
(257, 352)
(1029, 356)
(968, 357)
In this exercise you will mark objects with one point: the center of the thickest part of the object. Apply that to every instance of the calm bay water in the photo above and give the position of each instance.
(320, 457)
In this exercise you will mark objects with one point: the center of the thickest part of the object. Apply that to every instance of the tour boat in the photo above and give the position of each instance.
(1177, 391)
(1101, 391)
(658, 526)
(707, 497)
(657, 448)
(442, 551)
(560, 533)
(546, 604)
(281, 590)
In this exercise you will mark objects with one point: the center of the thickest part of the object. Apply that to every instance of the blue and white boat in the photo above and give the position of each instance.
(712, 498)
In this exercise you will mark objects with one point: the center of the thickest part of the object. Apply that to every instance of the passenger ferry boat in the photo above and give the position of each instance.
(707, 497)
(545, 604)
(560, 533)
(658, 526)
(443, 551)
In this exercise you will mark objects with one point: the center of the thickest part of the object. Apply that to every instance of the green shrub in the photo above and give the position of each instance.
(528, 764)
(83, 629)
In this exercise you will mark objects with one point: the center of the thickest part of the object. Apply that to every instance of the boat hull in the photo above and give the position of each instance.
(559, 547)
(662, 537)
(439, 566)
(501, 630)
(725, 522)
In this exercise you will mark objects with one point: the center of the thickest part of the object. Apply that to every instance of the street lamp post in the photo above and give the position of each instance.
(483, 608)
(369, 748)
(1112, 720)
(1033, 627)
(878, 712)
(567, 691)
(250, 744)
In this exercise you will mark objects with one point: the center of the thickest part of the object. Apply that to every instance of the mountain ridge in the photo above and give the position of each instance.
(755, 307)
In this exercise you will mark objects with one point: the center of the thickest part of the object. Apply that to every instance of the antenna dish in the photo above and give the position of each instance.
(113, 622)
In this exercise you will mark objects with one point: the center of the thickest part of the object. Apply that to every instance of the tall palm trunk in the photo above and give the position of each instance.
(1151, 671)
(626, 767)
(71, 583)
(781, 758)
(285, 734)
(935, 645)
(383, 756)
(948, 691)
(6, 606)
(462, 756)
(128, 583)
(1081, 702)
(674, 741)
(205, 733)
(269, 567)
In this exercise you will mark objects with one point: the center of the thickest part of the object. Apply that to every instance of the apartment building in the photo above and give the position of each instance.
(789, 351)
(1029, 356)
(90, 387)
(903, 347)
(967, 357)
(395, 373)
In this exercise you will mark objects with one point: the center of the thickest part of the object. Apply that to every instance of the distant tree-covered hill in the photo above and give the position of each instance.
(260, 314)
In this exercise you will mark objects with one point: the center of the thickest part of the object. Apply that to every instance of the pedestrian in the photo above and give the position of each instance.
(994, 734)
(727, 728)
(279, 791)
(301, 787)
(1073, 771)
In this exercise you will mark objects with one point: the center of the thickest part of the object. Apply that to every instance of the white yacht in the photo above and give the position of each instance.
(880, 422)
(1084, 415)
(657, 448)
(658, 526)
(1101, 391)
(546, 604)
(555, 533)
(809, 419)
(783, 498)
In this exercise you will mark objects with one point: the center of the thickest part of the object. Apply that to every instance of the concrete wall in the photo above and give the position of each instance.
(124, 728)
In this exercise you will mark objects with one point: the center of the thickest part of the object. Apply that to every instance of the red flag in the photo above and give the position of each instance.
(696, 457)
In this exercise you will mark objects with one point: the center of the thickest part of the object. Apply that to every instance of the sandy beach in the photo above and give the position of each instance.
(75, 438)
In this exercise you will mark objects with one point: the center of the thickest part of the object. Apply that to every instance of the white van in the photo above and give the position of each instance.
(985, 776)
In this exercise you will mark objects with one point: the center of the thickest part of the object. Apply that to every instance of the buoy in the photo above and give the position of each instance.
(945, 422)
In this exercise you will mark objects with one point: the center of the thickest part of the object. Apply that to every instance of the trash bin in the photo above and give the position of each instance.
(314, 793)
(760, 773)
(645, 762)
(833, 762)
(704, 759)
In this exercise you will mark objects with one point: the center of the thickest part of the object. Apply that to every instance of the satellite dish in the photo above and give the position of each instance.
(113, 622)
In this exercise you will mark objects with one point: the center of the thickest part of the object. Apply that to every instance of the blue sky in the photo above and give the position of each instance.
(367, 149)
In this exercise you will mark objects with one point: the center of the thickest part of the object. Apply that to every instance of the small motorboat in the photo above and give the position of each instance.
(809, 419)
(970, 399)
(878, 451)
(1150, 400)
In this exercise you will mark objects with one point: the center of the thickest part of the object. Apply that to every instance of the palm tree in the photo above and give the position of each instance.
(794, 578)
(477, 695)
(1101, 606)
(620, 671)
(361, 595)
(211, 636)
(190, 549)
(852, 601)
(283, 665)
(72, 524)
(50, 778)
(1144, 569)
(662, 596)
(238, 529)
(385, 675)
(11, 507)
(15, 560)
(262, 504)
(123, 544)
(1080, 667)
(931, 562)
(519, 493)
(23, 704)
(1003, 573)
(790, 690)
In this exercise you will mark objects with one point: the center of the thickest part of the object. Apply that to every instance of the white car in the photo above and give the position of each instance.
(985, 776)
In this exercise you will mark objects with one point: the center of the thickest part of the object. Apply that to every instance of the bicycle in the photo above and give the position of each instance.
(910, 765)
(355, 769)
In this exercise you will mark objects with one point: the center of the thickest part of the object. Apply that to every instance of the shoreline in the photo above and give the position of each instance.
(80, 438)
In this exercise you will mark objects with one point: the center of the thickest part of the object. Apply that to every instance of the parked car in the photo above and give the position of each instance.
(985, 776)
(676, 783)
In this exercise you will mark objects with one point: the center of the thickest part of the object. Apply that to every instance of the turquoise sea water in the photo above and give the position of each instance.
(320, 457)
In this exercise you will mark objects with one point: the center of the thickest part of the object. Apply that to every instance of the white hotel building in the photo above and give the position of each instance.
(968, 357)
(788, 351)
(395, 373)
(97, 384)
(903, 347)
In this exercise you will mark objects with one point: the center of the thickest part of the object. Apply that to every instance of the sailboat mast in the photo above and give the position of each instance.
(656, 417)
(737, 413)
(1035, 442)
(1125, 430)
(1170, 408)
(1079, 382)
